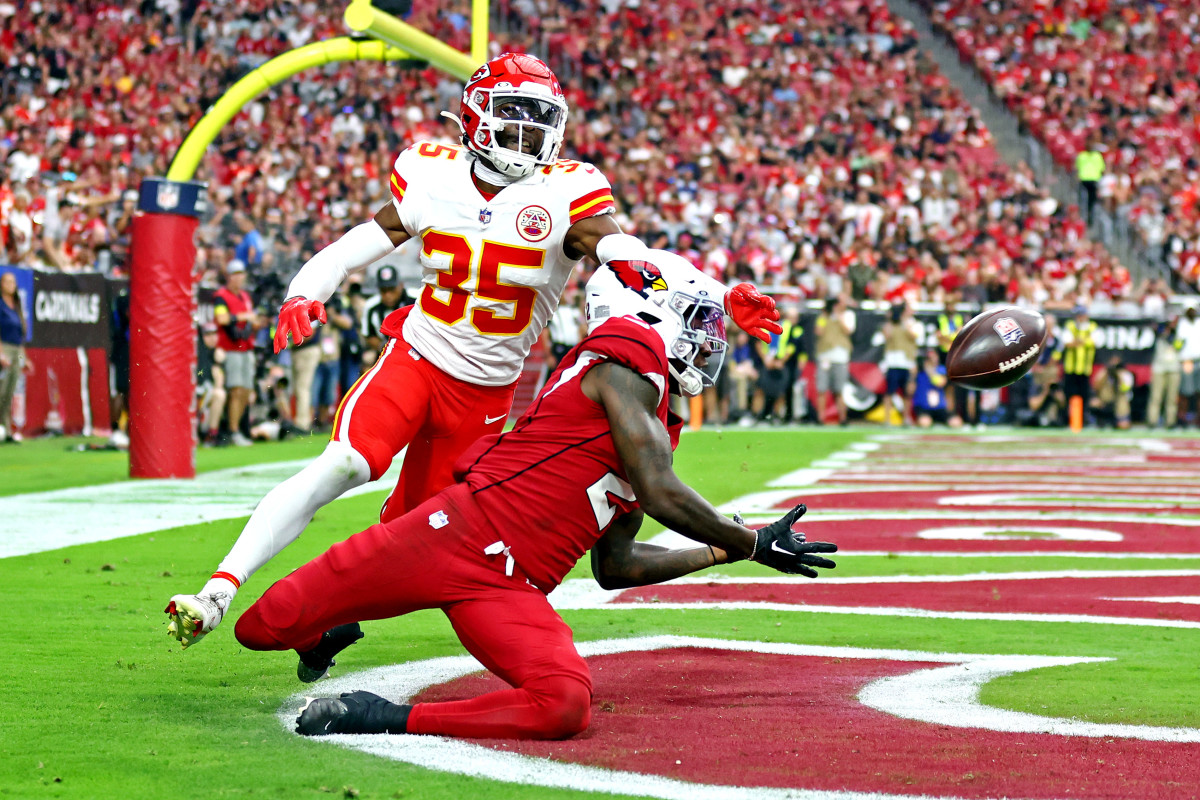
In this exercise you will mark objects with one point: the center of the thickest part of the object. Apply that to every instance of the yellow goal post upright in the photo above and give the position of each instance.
(162, 252)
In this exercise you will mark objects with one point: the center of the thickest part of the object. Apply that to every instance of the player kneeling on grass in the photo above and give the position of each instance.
(577, 472)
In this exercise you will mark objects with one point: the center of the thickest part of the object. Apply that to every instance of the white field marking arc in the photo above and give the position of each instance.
(465, 758)
(989, 533)
(941, 695)
(992, 468)
(1189, 600)
(130, 508)
(961, 439)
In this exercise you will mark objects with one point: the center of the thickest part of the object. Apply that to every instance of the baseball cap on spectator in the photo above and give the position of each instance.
(236, 265)
(387, 277)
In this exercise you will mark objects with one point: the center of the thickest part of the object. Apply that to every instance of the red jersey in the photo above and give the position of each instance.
(236, 335)
(554, 483)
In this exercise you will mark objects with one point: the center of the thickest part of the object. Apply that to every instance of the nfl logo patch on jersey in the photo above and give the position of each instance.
(533, 223)
(485, 216)
(1010, 332)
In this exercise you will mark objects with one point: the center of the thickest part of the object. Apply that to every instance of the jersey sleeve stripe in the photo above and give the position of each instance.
(586, 199)
(399, 186)
(595, 207)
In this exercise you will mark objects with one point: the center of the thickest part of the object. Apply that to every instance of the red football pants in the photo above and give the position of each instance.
(403, 400)
(409, 564)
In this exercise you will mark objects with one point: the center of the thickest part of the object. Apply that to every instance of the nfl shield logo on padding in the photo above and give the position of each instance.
(167, 196)
(1009, 330)
(485, 216)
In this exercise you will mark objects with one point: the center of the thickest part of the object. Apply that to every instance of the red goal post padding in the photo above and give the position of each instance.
(162, 331)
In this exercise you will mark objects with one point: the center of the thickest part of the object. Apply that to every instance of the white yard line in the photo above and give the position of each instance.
(40, 521)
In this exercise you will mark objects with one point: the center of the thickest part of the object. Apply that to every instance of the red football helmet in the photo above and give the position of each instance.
(513, 113)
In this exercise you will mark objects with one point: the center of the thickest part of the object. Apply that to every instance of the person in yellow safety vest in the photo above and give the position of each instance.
(1079, 355)
(1089, 169)
(963, 402)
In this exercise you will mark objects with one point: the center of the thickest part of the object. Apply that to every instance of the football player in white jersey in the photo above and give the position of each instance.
(502, 222)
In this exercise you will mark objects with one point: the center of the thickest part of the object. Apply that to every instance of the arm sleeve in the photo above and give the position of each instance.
(623, 247)
(359, 247)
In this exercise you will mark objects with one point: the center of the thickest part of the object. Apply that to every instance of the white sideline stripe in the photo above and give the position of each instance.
(886, 611)
(352, 401)
(100, 513)
(85, 390)
(465, 758)
(1025, 575)
(1191, 600)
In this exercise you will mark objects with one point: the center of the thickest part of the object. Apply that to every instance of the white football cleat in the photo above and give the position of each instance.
(193, 616)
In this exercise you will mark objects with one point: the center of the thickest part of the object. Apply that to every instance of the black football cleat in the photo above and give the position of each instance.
(353, 712)
(314, 664)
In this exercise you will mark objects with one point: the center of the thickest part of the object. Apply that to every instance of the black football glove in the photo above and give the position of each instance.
(781, 548)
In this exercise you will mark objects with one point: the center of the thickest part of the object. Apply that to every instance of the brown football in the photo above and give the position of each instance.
(996, 348)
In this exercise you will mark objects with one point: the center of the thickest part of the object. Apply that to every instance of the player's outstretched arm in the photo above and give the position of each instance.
(619, 561)
(601, 239)
(320, 277)
(630, 402)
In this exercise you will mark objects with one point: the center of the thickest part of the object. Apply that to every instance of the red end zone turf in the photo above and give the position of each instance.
(695, 707)
(1076, 596)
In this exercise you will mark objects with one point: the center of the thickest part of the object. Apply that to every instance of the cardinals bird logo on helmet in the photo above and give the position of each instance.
(640, 276)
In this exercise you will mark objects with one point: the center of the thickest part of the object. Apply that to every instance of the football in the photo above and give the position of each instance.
(996, 348)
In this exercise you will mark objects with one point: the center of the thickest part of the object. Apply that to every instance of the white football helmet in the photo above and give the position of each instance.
(675, 299)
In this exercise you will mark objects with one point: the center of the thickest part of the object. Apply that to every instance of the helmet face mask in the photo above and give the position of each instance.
(514, 114)
(661, 293)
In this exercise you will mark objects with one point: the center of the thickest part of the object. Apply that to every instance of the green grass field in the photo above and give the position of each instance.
(99, 702)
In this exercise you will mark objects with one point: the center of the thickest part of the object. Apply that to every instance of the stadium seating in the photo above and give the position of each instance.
(1120, 70)
(798, 144)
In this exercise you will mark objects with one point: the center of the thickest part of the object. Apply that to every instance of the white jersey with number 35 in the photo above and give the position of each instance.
(493, 270)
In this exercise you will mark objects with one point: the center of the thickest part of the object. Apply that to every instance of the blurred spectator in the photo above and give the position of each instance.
(743, 367)
(1079, 356)
(1089, 169)
(306, 358)
(1164, 376)
(211, 395)
(391, 297)
(1112, 394)
(347, 315)
(1188, 332)
(929, 394)
(566, 328)
(834, 327)
(900, 336)
(12, 352)
(237, 323)
(790, 350)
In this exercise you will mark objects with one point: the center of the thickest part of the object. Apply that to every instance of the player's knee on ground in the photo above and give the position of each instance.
(265, 625)
(564, 706)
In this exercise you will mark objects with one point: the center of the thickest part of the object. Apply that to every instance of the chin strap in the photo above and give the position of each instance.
(485, 173)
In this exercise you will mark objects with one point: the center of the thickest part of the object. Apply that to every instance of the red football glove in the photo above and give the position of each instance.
(753, 311)
(296, 316)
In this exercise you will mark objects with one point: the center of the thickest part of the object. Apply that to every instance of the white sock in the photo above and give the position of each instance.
(287, 509)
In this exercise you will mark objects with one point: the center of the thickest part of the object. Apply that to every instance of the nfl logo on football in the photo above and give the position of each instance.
(1010, 332)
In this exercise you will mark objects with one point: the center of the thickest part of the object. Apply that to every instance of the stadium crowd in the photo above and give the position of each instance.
(1113, 77)
(809, 147)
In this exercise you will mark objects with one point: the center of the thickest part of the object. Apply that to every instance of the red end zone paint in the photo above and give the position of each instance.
(1186, 501)
(750, 719)
(1046, 596)
(1152, 536)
